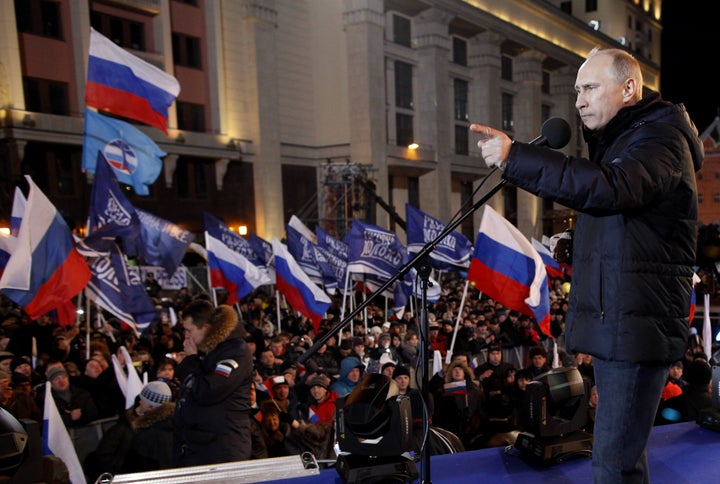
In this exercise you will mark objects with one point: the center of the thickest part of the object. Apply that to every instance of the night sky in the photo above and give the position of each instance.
(690, 52)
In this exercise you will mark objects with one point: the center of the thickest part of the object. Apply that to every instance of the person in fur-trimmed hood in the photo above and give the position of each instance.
(142, 438)
(151, 446)
(212, 415)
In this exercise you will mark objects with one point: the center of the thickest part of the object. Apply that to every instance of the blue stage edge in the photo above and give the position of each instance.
(678, 453)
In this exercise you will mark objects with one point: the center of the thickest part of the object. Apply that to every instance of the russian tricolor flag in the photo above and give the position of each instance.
(551, 265)
(6, 249)
(45, 270)
(455, 388)
(18, 209)
(232, 271)
(126, 85)
(301, 293)
(693, 299)
(56, 440)
(506, 267)
(313, 417)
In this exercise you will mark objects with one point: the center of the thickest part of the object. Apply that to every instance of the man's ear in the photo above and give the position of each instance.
(629, 89)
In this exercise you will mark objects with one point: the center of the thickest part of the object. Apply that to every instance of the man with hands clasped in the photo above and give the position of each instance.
(634, 245)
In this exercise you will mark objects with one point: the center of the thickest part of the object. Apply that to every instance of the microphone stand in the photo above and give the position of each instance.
(420, 262)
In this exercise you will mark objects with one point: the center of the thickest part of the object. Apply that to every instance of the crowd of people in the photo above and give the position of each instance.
(228, 384)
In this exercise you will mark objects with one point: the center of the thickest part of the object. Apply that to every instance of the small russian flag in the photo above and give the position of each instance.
(455, 388)
(312, 417)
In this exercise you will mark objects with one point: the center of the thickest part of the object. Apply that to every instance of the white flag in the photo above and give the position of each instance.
(56, 440)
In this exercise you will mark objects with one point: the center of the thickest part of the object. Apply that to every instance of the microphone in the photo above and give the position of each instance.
(555, 134)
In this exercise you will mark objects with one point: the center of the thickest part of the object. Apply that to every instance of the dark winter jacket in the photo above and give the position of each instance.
(635, 238)
(212, 422)
(152, 442)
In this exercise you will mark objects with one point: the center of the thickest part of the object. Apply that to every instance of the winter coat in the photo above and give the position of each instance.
(211, 420)
(635, 239)
(152, 442)
(325, 409)
(343, 386)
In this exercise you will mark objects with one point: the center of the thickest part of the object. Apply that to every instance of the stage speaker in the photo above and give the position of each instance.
(258, 470)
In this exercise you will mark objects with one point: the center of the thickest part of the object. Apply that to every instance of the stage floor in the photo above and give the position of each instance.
(679, 453)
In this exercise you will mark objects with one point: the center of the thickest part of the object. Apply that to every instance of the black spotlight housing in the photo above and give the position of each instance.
(374, 430)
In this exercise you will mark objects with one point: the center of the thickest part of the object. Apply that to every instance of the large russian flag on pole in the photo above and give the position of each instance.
(302, 294)
(126, 85)
(45, 270)
(232, 271)
(506, 267)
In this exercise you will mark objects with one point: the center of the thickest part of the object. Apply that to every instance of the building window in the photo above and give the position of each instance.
(403, 85)
(545, 86)
(404, 129)
(459, 52)
(462, 139)
(190, 116)
(188, 2)
(413, 187)
(54, 168)
(466, 200)
(506, 68)
(566, 7)
(44, 96)
(38, 17)
(700, 198)
(65, 171)
(186, 50)
(401, 30)
(190, 178)
(460, 89)
(590, 5)
(507, 112)
(122, 31)
(716, 198)
(545, 112)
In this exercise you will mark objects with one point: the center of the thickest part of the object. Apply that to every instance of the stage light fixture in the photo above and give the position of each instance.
(553, 416)
(374, 433)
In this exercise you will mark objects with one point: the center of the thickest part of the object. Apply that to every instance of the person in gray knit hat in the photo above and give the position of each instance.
(142, 438)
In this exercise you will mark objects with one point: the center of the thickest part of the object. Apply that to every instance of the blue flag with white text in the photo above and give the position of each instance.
(164, 243)
(453, 251)
(111, 214)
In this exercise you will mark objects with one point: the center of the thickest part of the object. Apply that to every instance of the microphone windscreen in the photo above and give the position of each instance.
(556, 132)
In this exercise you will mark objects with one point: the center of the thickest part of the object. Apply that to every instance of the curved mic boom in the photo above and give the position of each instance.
(555, 134)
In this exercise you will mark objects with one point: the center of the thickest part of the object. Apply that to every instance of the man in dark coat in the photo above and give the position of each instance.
(634, 244)
(212, 421)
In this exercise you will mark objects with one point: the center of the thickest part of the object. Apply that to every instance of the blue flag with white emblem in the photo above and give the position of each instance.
(135, 157)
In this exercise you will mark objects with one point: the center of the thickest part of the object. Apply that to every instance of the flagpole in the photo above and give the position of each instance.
(277, 306)
(448, 355)
(209, 278)
(189, 273)
(417, 259)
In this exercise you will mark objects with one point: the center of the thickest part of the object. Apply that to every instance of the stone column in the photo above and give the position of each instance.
(364, 23)
(484, 60)
(433, 99)
(527, 75)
